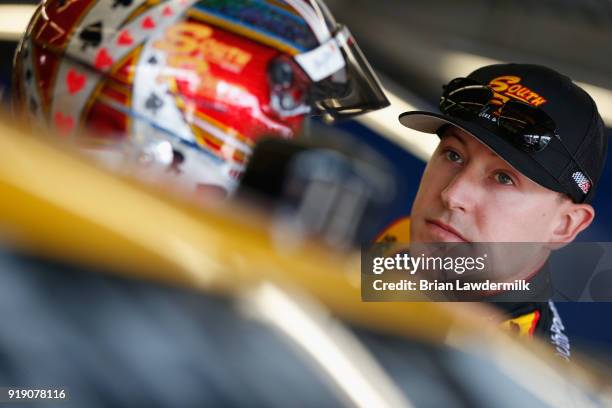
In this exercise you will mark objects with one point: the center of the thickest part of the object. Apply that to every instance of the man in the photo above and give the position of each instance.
(521, 151)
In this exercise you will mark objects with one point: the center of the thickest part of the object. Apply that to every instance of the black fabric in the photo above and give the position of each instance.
(549, 326)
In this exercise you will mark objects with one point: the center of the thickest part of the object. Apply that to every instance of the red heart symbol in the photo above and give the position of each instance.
(125, 38)
(167, 11)
(103, 59)
(63, 123)
(75, 81)
(148, 23)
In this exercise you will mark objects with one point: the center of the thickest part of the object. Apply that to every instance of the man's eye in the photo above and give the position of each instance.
(503, 178)
(453, 156)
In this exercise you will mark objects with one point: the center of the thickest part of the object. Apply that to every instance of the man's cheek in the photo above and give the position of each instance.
(427, 188)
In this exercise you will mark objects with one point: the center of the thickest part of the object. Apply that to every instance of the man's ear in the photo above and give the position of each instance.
(573, 219)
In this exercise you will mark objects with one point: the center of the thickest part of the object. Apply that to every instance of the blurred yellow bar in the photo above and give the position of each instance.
(58, 205)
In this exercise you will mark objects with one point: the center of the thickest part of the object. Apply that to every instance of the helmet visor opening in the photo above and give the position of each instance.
(351, 91)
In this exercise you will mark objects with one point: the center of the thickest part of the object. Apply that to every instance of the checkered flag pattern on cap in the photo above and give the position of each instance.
(583, 183)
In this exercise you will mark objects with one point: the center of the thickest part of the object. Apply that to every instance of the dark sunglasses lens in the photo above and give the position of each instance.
(530, 128)
(464, 98)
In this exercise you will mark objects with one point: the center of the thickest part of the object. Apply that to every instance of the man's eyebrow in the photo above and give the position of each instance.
(454, 134)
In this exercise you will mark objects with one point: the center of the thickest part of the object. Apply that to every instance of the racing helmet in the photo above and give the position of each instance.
(185, 88)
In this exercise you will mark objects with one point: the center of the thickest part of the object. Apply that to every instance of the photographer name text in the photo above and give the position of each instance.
(457, 285)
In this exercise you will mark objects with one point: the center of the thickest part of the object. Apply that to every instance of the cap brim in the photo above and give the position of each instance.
(524, 162)
(426, 122)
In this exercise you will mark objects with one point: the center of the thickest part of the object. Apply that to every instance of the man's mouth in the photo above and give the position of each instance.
(444, 232)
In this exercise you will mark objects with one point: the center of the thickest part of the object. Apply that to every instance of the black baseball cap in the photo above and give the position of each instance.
(574, 112)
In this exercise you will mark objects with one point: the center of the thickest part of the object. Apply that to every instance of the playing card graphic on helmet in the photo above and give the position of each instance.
(187, 87)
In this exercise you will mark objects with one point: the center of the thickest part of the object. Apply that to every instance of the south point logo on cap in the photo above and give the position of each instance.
(509, 86)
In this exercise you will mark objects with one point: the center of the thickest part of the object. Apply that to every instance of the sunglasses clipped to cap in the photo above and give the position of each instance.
(527, 127)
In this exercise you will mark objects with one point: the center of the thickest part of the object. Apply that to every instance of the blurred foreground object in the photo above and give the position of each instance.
(126, 298)
(180, 91)
(331, 192)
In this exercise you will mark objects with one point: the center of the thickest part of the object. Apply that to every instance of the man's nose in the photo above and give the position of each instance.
(462, 191)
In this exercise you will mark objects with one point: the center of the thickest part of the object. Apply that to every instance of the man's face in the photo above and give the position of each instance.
(468, 193)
